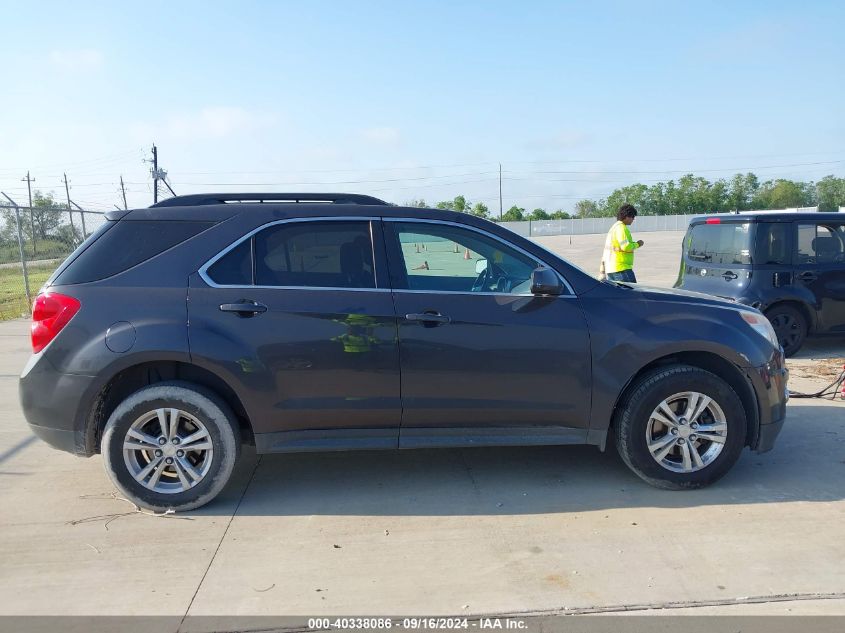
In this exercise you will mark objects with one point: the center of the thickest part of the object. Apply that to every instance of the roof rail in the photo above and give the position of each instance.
(222, 198)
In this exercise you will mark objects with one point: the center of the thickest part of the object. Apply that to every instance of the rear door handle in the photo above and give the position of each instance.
(244, 308)
(730, 275)
(808, 276)
(428, 318)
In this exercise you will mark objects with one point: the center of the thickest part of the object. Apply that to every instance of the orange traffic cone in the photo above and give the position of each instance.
(423, 266)
(467, 255)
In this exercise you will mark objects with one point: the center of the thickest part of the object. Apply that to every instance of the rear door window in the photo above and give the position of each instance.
(724, 243)
(330, 254)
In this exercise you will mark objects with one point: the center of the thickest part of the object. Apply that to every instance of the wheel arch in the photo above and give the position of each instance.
(715, 364)
(134, 377)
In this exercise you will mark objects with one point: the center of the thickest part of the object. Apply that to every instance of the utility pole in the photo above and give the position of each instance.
(31, 215)
(70, 211)
(155, 174)
(123, 191)
(500, 191)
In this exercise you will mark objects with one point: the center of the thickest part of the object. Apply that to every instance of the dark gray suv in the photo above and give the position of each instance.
(322, 322)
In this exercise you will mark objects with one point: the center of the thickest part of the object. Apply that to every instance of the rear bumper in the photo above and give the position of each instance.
(50, 401)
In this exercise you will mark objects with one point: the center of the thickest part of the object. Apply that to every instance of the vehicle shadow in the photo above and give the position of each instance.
(807, 464)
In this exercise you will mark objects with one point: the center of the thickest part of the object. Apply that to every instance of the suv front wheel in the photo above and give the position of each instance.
(680, 427)
(171, 446)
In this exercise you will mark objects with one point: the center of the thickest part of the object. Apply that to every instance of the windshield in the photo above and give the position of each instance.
(727, 243)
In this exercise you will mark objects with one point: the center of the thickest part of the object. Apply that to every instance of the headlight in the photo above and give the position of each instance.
(761, 325)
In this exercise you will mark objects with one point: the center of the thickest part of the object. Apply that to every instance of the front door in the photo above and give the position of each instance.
(483, 360)
(820, 266)
(299, 317)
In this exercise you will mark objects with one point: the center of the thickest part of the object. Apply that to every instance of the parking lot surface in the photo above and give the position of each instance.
(464, 531)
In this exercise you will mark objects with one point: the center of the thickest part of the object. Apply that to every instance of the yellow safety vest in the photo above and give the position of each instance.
(619, 249)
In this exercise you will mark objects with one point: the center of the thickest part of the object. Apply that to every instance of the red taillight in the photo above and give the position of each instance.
(50, 313)
(713, 221)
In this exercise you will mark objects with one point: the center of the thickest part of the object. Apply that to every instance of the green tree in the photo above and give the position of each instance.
(480, 209)
(459, 204)
(420, 204)
(586, 209)
(539, 214)
(46, 214)
(741, 191)
(782, 194)
(830, 193)
(514, 214)
(560, 214)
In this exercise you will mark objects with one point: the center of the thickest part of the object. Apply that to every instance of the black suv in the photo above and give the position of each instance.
(789, 265)
(329, 321)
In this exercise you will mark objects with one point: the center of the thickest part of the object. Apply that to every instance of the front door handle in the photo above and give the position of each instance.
(730, 275)
(428, 319)
(808, 276)
(244, 308)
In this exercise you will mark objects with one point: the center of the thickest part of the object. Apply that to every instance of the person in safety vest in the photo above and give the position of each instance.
(617, 262)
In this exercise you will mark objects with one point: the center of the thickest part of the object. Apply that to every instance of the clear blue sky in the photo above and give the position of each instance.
(417, 99)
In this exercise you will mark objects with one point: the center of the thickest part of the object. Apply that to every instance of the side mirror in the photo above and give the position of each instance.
(480, 266)
(545, 281)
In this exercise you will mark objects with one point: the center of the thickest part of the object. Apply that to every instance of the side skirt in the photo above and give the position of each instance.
(433, 437)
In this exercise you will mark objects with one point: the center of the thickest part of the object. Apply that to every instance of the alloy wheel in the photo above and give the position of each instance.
(686, 432)
(168, 450)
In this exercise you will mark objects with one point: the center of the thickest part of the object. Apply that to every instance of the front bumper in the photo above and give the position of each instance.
(772, 395)
(768, 435)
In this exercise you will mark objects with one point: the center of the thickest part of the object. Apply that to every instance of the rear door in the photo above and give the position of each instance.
(717, 258)
(820, 267)
(299, 318)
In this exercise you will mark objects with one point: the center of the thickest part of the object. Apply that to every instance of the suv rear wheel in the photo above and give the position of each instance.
(171, 446)
(790, 326)
(680, 427)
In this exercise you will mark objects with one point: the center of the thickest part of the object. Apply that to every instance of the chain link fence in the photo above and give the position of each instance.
(33, 242)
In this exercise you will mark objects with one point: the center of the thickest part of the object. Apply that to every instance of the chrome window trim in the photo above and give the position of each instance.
(571, 293)
(203, 271)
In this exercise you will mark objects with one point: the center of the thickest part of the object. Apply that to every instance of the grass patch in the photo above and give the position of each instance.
(13, 302)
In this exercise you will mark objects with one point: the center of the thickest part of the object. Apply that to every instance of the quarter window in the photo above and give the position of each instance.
(446, 258)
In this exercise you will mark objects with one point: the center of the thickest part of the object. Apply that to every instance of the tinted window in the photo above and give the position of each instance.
(125, 245)
(235, 267)
(315, 254)
(726, 243)
(772, 243)
(820, 244)
(441, 257)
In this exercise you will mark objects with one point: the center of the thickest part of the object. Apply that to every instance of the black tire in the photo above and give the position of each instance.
(207, 408)
(790, 326)
(641, 400)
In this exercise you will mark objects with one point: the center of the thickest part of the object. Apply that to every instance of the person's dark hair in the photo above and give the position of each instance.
(626, 211)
